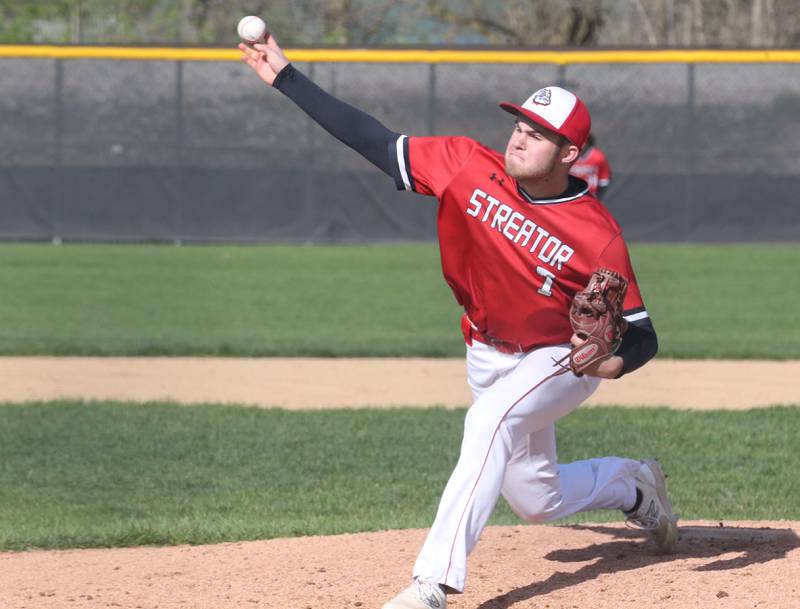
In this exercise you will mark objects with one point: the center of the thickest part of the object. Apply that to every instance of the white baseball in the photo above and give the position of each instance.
(252, 29)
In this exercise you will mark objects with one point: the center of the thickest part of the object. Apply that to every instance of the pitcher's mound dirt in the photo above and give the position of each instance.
(745, 565)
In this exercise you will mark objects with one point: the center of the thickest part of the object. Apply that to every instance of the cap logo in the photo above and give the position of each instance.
(553, 104)
(541, 97)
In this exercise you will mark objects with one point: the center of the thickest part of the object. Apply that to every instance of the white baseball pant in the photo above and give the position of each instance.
(509, 447)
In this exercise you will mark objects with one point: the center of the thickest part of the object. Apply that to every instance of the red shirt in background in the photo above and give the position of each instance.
(592, 167)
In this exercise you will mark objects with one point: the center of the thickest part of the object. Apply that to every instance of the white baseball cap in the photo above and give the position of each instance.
(558, 110)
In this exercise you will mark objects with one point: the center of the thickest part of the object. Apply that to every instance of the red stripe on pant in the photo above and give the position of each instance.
(486, 458)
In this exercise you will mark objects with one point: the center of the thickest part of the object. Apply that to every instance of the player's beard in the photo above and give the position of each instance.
(531, 170)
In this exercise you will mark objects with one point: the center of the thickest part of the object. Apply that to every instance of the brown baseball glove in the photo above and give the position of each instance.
(596, 318)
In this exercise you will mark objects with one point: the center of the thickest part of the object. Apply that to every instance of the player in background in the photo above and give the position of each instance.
(518, 238)
(592, 166)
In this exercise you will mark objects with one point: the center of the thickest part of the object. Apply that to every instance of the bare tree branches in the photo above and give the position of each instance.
(525, 23)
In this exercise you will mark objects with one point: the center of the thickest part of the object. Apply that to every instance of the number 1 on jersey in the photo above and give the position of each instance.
(547, 286)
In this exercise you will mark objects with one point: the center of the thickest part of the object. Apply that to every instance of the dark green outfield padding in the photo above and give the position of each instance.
(104, 474)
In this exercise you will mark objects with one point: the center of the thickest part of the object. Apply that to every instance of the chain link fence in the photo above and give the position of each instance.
(194, 151)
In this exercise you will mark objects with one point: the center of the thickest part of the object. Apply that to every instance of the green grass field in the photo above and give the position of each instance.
(724, 301)
(85, 475)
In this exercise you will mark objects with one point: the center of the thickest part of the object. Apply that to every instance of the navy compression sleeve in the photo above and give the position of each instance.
(639, 345)
(360, 131)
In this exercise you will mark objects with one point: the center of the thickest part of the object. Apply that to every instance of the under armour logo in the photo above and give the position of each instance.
(493, 177)
(541, 97)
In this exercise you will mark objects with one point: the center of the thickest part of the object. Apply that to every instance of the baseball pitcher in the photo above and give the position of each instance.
(551, 307)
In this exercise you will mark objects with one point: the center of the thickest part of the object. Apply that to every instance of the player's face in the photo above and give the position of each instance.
(533, 152)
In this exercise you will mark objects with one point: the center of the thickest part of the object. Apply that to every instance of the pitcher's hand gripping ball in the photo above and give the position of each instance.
(596, 317)
(252, 29)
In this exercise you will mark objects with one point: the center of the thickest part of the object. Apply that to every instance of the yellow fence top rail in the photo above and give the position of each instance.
(408, 55)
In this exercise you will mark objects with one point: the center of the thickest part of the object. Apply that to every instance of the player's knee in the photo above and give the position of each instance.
(542, 509)
(547, 513)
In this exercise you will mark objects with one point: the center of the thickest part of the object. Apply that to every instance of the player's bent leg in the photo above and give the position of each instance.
(538, 493)
(531, 486)
(527, 399)
(539, 489)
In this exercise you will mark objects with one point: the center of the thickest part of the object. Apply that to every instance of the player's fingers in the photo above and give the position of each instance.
(249, 51)
(270, 48)
(255, 62)
(250, 62)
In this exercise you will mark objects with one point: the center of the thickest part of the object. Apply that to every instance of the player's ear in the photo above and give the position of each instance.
(569, 152)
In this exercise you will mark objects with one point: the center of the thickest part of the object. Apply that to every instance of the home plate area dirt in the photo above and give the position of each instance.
(725, 565)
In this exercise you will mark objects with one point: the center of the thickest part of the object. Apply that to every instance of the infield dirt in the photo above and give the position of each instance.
(726, 565)
(337, 383)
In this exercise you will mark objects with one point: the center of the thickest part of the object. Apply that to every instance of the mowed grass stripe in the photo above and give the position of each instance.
(225, 300)
(106, 474)
(725, 301)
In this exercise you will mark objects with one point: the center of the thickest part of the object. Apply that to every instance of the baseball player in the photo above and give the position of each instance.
(518, 238)
(593, 168)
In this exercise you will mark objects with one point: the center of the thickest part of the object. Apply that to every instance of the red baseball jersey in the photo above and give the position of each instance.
(592, 167)
(514, 263)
